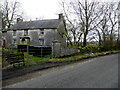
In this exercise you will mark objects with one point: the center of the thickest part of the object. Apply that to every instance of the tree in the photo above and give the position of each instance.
(10, 12)
(107, 28)
(71, 25)
(86, 18)
(113, 21)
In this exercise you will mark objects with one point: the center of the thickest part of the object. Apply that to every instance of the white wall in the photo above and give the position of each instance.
(49, 36)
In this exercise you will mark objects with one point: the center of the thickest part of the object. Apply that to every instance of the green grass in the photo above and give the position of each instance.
(80, 56)
(31, 60)
(10, 50)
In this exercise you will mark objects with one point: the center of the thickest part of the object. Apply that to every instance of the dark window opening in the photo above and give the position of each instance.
(14, 33)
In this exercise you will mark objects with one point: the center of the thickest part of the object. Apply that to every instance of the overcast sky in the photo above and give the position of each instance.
(41, 8)
(47, 9)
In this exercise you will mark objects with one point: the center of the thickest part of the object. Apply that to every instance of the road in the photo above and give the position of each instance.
(100, 72)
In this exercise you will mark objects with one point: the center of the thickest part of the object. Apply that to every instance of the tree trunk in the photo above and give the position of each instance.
(84, 41)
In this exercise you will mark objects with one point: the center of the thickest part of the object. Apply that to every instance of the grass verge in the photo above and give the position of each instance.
(81, 56)
(31, 60)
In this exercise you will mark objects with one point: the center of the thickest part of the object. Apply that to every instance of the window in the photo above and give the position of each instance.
(14, 41)
(41, 31)
(25, 32)
(41, 41)
(14, 33)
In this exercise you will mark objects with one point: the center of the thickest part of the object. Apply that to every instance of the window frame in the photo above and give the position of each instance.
(14, 41)
(14, 32)
(41, 32)
(41, 41)
(25, 32)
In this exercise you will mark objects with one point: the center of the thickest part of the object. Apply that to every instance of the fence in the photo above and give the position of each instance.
(39, 51)
(13, 58)
(22, 48)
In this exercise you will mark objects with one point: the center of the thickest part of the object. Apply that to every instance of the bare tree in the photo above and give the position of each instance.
(102, 28)
(86, 18)
(107, 28)
(10, 12)
(71, 25)
(113, 20)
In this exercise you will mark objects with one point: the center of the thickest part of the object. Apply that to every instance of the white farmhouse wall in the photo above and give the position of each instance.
(9, 39)
(34, 37)
(61, 31)
(49, 36)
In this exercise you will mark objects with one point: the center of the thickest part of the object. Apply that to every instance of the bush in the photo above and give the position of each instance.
(9, 50)
(89, 49)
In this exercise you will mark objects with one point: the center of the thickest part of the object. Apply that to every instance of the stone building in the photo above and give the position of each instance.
(39, 32)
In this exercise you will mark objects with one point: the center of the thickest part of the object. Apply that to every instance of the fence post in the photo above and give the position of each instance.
(56, 49)
(41, 51)
(27, 49)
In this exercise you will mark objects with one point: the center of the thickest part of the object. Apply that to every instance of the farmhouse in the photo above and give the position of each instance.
(39, 32)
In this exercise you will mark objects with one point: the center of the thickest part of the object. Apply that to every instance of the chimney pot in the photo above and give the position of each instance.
(19, 20)
(61, 16)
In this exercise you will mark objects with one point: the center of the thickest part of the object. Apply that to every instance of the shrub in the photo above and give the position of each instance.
(89, 49)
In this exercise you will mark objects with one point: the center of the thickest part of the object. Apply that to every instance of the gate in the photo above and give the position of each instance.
(39, 51)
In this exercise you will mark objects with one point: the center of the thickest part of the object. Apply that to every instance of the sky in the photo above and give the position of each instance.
(43, 9)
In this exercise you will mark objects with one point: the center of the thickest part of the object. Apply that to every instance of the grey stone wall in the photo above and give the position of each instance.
(58, 51)
(68, 51)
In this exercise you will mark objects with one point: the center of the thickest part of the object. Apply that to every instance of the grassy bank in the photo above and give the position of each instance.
(81, 56)
(32, 60)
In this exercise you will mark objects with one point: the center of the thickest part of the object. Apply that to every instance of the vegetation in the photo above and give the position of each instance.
(80, 56)
(86, 52)
(31, 60)
(10, 11)
(28, 59)
(90, 21)
(85, 22)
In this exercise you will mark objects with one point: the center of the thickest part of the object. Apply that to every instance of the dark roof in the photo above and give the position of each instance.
(38, 24)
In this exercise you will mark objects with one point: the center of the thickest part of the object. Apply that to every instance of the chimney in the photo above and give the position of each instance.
(60, 16)
(19, 20)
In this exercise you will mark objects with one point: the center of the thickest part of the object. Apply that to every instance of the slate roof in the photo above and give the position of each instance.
(38, 24)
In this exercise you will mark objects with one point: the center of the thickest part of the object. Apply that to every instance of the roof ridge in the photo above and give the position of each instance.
(45, 23)
(40, 20)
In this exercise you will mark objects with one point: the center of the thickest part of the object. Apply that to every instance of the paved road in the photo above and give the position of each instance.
(101, 72)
